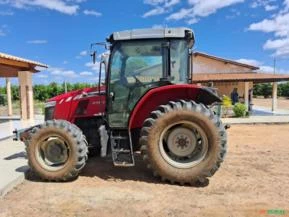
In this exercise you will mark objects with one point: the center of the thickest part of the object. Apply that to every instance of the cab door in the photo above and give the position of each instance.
(135, 66)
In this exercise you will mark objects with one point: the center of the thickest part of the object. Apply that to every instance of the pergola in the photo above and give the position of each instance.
(12, 66)
(245, 77)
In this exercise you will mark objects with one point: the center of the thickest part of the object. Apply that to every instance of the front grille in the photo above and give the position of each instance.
(49, 112)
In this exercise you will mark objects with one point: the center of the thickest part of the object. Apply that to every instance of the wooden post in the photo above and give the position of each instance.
(246, 94)
(274, 96)
(9, 97)
(26, 95)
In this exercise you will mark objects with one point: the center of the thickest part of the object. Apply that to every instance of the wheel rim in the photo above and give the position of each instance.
(52, 153)
(183, 144)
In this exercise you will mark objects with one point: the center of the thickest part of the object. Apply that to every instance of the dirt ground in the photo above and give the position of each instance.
(282, 103)
(253, 181)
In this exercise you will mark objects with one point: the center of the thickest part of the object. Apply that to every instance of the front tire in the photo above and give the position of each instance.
(183, 142)
(57, 150)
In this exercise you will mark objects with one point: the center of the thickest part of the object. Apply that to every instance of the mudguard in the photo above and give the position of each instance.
(162, 95)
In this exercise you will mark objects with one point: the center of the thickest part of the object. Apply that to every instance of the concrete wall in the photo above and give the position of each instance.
(207, 65)
(227, 88)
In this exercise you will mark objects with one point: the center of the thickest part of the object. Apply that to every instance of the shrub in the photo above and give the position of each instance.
(227, 102)
(240, 110)
(2, 99)
(226, 105)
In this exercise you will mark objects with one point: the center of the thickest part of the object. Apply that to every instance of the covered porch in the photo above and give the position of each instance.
(245, 81)
(23, 69)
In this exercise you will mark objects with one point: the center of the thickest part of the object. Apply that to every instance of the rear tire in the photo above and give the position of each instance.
(57, 150)
(183, 142)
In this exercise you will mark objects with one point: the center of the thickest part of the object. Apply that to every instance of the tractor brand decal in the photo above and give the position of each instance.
(87, 95)
(77, 97)
(68, 99)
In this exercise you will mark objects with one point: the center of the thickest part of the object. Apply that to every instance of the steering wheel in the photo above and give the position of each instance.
(138, 82)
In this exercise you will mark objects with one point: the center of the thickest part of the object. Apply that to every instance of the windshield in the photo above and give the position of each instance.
(139, 58)
(144, 59)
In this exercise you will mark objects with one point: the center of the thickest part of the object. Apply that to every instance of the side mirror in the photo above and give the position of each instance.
(93, 55)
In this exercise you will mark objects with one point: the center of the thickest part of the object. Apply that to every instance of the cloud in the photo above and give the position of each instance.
(37, 42)
(85, 73)
(268, 5)
(68, 7)
(183, 13)
(263, 68)
(155, 11)
(165, 3)
(6, 13)
(158, 26)
(277, 24)
(42, 76)
(250, 62)
(270, 69)
(159, 7)
(60, 72)
(201, 8)
(271, 7)
(83, 53)
(93, 67)
(92, 13)
(2, 33)
(153, 2)
(281, 46)
(3, 30)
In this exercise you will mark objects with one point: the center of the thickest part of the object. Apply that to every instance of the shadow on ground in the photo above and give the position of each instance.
(21, 154)
(103, 168)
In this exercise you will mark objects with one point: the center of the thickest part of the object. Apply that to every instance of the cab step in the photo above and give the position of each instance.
(121, 148)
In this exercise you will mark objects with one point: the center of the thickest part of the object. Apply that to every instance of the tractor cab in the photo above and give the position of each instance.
(141, 60)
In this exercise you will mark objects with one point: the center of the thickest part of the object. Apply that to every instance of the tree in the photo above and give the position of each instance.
(263, 90)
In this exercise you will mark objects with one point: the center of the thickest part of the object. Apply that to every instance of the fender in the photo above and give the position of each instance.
(162, 95)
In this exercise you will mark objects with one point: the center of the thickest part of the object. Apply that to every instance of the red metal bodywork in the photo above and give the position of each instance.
(88, 103)
(79, 104)
(159, 96)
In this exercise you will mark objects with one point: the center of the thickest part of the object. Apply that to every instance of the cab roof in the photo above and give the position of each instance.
(152, 34)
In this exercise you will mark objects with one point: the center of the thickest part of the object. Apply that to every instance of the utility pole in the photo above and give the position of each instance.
(274, 65)
(65, 86)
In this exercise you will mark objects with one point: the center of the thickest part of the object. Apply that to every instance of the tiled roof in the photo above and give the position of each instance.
(228, 77)
(19, 59)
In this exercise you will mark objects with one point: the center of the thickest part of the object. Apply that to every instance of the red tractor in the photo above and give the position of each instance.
(148, 103)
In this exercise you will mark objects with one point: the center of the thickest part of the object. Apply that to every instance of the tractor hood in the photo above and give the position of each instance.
(74, 93)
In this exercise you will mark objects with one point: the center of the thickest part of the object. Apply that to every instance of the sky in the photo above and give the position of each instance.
(59, 32)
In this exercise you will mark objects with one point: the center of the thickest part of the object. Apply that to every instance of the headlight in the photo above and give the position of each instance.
(49, 110)
(50, 104)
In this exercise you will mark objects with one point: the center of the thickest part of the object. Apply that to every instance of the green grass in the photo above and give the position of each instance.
(38, 108)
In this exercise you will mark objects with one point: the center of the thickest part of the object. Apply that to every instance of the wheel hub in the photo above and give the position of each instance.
(182, 141)
(55, 151)
(183, 144)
